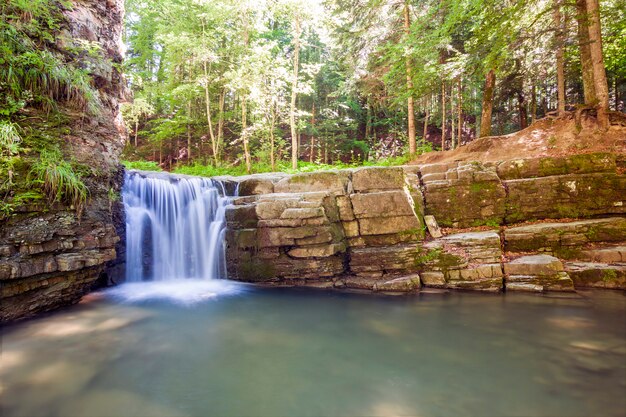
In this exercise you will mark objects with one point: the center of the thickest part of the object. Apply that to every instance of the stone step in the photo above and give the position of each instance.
(537, 273)
(606, 255)
(597, 275)
(551, 237)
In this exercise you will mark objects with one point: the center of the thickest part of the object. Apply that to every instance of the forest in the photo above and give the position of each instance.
(242, 86)
(236, 86)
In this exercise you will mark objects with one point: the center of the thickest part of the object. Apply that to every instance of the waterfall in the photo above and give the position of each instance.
(174, 227)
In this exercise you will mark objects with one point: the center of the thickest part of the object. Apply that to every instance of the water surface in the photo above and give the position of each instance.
(243, 351)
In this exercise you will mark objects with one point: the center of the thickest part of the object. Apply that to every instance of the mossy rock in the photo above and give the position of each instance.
(328, 181)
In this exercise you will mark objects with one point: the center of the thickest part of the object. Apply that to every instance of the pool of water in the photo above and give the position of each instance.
(244, 351)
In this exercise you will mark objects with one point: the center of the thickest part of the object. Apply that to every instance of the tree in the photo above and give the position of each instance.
(597, 61)
(134, 111)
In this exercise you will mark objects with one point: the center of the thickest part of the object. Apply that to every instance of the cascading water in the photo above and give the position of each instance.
(174, 227)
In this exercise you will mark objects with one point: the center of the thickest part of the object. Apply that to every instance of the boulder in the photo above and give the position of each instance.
(381, 204)
(534, 265)
(377, 179)
(475, 247)
(402, 284)
(388, 225)
(537, 273)
(335, 182)
(396, 259)
(597, 275)
(256, 186)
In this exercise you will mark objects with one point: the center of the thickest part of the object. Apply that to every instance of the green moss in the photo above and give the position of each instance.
(609, 275)
(422, 258)
(479, 186)
(490, 221)
(567, 252)
(436, 258)
(568, 211)
(415, 233)
(592, 233)
(256, 271)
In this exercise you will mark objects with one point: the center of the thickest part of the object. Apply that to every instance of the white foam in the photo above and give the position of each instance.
(179, 291)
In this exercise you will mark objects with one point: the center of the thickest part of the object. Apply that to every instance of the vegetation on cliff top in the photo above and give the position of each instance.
(243, 86)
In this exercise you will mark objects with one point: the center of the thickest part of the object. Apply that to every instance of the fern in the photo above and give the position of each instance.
(59, 181)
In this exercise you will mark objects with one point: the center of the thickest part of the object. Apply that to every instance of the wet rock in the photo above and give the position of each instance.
(392, 260)
(533, 265)
(597, 275)
(403, 284)
(537, 273)
(433, 279)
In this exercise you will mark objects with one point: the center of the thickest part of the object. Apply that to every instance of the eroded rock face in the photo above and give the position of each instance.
(49, 256)
(364, 228)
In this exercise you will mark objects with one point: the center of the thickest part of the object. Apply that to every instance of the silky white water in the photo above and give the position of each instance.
(175, 228)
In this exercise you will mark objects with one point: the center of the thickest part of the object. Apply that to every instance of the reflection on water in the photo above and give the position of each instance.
(289, 352)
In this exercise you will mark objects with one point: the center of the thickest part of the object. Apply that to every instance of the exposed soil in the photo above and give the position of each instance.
(546, 137)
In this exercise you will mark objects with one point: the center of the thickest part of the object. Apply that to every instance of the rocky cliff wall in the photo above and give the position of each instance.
(50, 255)
(364, 228)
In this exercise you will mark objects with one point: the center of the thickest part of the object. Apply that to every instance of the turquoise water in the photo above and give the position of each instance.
(243, 351)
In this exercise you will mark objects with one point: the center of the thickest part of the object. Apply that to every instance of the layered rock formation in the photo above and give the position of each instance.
(364, 228)
(50, 255)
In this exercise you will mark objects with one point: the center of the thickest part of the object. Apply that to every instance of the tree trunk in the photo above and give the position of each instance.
(207, 99)
(312, 150)
(599, 72)
(533, 104)
(136, 131)
(460, 113)
(426, 117)
(220, 124)
(452, 125)
(272, 125)
(485, 119)
(244, 134)
(409, 86)
(189, 132)
(560, 57)
(443, 115)
(294, 94)
(584, 46)
(521, 108)
(368, 123)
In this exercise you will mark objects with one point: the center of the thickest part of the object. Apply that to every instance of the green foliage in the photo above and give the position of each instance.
(58, 180)
(609, 275)
(142, 165)
(10, 139)
(32, 75)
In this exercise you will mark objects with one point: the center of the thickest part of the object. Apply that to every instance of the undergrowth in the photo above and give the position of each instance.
(37, 82)
(59, 181)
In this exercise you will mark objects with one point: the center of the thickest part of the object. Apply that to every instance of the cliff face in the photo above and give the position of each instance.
(49, 254)
(364, 228)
